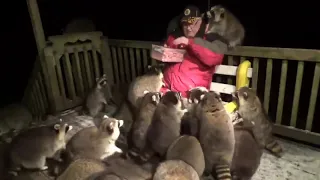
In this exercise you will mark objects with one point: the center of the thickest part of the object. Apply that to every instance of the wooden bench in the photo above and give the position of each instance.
(242, 72)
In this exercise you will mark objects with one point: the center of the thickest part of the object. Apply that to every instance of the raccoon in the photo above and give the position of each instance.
(95, 100)
(124, 169)
(189, 123)
(151, 81)
(256, 120)
(95, 142)
(188, 149)
(246, 157)
(165, 126)
(42, 142)
(175, 169)
(216, 135)
(82, 169)
(142, 123)
(224, 23)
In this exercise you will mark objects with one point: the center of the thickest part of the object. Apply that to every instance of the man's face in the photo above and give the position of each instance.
(191, 29)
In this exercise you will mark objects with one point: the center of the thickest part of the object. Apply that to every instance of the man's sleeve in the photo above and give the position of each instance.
(208, 52)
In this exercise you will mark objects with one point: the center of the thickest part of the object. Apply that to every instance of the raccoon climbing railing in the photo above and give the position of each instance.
(289, 94)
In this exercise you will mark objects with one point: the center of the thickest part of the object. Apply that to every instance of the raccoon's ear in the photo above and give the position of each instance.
(57, 127)
(145, 92)
(154, 98)
(218, 95)
(245, 95)
(189, 100)
(209, 14)
(68, 128)
(120, 123)
(202, 96)
(105, 116)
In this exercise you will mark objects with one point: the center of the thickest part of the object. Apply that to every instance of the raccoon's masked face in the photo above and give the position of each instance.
(153, 97)
(245, 96)
(112, 127)
(61, 130)
(211, 100)
(155, 69)
(172, 98)
(194, 94)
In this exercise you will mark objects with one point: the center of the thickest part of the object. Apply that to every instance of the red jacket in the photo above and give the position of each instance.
(196, 69)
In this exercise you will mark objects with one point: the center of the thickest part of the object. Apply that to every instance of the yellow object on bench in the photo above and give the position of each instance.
(241, 81)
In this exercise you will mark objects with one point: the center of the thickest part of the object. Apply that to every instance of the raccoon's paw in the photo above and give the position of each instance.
(184, 111)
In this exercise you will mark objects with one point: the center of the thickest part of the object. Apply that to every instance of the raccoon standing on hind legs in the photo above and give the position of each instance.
(166, 123)
(216, 135)
(142, 123)
(256, 120)
(96, 100)
(222, 22)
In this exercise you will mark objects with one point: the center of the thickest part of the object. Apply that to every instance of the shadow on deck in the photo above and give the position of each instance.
(299, 161)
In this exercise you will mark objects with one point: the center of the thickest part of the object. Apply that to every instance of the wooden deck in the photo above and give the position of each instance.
(299, 161)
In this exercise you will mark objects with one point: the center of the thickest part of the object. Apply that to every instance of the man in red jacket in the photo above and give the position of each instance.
(203, 54)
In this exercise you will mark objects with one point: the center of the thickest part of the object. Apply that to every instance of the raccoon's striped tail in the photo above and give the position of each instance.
(222, 172)
(274, 147)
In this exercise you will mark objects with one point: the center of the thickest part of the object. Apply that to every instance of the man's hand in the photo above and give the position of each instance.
(181, 40)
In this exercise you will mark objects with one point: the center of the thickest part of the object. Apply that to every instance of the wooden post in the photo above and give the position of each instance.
(37, 27)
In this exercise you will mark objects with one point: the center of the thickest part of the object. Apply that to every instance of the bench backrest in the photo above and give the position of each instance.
(229, 71)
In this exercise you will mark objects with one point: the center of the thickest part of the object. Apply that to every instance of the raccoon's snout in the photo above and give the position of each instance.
(120, 123)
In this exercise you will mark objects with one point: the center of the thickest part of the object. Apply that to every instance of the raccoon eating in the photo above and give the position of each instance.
(256, 120)
(165, 126)
(224, 23)
(216, 135)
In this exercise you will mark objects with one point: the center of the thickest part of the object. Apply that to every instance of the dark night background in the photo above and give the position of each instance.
(267, 23)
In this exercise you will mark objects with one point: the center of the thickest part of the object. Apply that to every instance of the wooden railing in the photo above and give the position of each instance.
(277, 76)
(287, 80)
(35, 95)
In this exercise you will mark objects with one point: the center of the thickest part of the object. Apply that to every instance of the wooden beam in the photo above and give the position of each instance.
(37, 26)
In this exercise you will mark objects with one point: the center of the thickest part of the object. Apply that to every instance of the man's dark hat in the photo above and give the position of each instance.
(190, 14)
